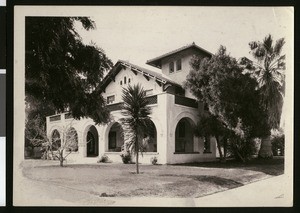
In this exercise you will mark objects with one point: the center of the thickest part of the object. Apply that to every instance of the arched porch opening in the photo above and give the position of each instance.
(55, 140)
(149, 143)
(72, 140)
(92, 140)
(184, 136)
(115, 138)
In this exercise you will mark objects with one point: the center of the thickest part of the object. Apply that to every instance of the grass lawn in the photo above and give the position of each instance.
(120, 180)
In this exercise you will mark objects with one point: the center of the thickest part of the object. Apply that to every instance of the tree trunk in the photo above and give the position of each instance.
(137, 154)
(61, 163)
(61, 158)
(265, 151)
(220, 151)
(225, 147)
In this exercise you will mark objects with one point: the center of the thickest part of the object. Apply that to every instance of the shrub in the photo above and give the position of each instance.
(241, 149)
(153, 160)
(126, 157)
(103, 159)
(278, 145)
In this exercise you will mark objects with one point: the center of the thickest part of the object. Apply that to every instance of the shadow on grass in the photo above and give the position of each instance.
(215, 180)
(273, 166)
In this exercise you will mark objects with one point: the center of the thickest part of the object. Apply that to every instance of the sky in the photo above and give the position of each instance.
(138, 34)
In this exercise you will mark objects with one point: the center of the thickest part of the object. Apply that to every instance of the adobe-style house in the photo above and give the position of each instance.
(174, 113)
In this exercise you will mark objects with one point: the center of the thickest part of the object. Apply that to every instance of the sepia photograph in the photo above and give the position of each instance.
(166, 106)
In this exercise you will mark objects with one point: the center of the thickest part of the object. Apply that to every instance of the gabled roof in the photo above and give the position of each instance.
(158, 77)
(156, 62)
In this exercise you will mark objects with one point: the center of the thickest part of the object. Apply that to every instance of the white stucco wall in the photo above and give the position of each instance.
(180, 75)
(174, 115)
(114, 88)
(165, 116)
(158, 117)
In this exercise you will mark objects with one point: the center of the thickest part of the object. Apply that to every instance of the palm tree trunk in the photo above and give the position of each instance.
(265, 151)
(137, 154)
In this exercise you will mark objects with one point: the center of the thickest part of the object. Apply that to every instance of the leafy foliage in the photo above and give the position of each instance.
(103, 159)
(61, 144)
(126, 157)
(61, 71)
(154, 160)
(231, 97)
(269, 72)
(210, 126)
(277, 141)
(136, 121)
(35, 132)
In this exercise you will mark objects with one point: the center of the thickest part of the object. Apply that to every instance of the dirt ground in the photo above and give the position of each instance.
(44, 182)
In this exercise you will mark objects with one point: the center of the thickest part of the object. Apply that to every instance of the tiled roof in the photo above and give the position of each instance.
(155, 61)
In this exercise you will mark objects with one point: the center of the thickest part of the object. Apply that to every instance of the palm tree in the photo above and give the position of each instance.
(268, 70)
(136, 122)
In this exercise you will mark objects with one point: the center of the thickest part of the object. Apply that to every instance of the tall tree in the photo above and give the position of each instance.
(269, 71)
(136, 121)
(61, 71)
(210, 126)
(230, 95)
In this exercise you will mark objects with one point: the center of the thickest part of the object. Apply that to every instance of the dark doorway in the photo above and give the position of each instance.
(112, 140)
(184, 136)
(92, 142)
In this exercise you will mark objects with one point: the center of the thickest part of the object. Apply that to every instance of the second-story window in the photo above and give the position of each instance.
(110, 99)
(125, 80)
(178, 64)
(171, 67)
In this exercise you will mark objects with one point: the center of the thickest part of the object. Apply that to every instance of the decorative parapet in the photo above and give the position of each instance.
(184, 101)
(115, 107)
(112, 107)
(68, 115)
(55, 118)
(118, 106)
(152, 99)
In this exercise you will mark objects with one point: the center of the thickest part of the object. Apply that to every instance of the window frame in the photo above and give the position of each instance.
(110, 96)
(171, 67)
(177, 63)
